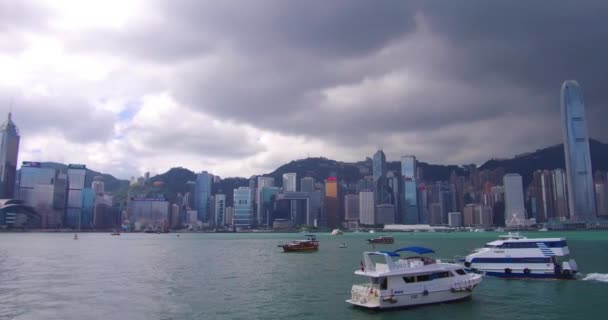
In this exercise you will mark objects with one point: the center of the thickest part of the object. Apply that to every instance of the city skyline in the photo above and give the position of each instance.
(92, 83)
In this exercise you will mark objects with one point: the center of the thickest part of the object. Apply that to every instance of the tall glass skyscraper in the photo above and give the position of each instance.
(289, 182)
(581, 194)
(409, 213)
(204, 182)
(381, 194)
(76, 179)
(243, 207)
(9, 149)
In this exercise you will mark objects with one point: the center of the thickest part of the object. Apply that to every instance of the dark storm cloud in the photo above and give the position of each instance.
(271, 64)
(440, 75)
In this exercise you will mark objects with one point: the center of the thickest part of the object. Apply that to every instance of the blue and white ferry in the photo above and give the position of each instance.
(515, 256)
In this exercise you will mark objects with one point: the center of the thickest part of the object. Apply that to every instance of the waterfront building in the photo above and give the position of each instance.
(88, 205)
(31, 175)
(267, 197)
(351, 207)
(60, 198)
(243, 207)
(41, 199)
(455, 219)
(468, 215)
(423, 204)
(409, 214)
(560, 195)
(601, 196)
(331, 204)
(220, 209)
(307, 184)
(385, 214)
(263, 182)
(15, 214)
(229, 218)
(381, 194)
(576, 148)
(498, 194)
(366, 208)
(76, 181)
(192, 217)
(148, 213)
(104, 215)
(316, 206)
(9, 150)
(515, 212)
(174, 221)
(477, 215)
(435, 214)
(393, 181)
(289, 182)
(204, 183)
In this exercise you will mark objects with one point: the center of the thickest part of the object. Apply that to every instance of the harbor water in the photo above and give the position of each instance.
(246, 276)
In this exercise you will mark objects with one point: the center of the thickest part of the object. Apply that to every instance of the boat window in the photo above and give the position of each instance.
(410, 279)
(521, 245)
(423, 277)
(439, 275)
(375, 281)
(461, 272)
(490, 246)
(383, 283)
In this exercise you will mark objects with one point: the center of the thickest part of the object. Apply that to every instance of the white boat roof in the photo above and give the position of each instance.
(524, 239)
(405, 266)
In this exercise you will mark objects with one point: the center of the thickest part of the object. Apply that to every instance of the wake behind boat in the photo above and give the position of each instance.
(309, 244)
(515, 256)
(410, 281)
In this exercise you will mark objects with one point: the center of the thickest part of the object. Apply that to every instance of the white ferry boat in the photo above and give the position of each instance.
(410, 281)
(515, 256)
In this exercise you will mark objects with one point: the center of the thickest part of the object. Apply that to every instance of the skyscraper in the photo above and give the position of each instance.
(204, 181)
(331, 203)
(576, 148)
(220, 209)
(243, 210)
(515, 212)
(409, 213)
(366, 208)
(381, 194)
(9, 149)
(351, 207)
(76, 179)
(307, 184)
(289, 182)
(560, 195)
(263, 182)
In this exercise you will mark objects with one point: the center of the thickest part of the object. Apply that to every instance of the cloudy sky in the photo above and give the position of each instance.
(240, 87)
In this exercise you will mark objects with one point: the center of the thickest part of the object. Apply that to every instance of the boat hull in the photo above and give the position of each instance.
(288, 249)
(518, 275)
(411, 300)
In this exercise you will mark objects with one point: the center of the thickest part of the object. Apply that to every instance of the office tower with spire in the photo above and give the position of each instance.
(9, 149)
(581, 193)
